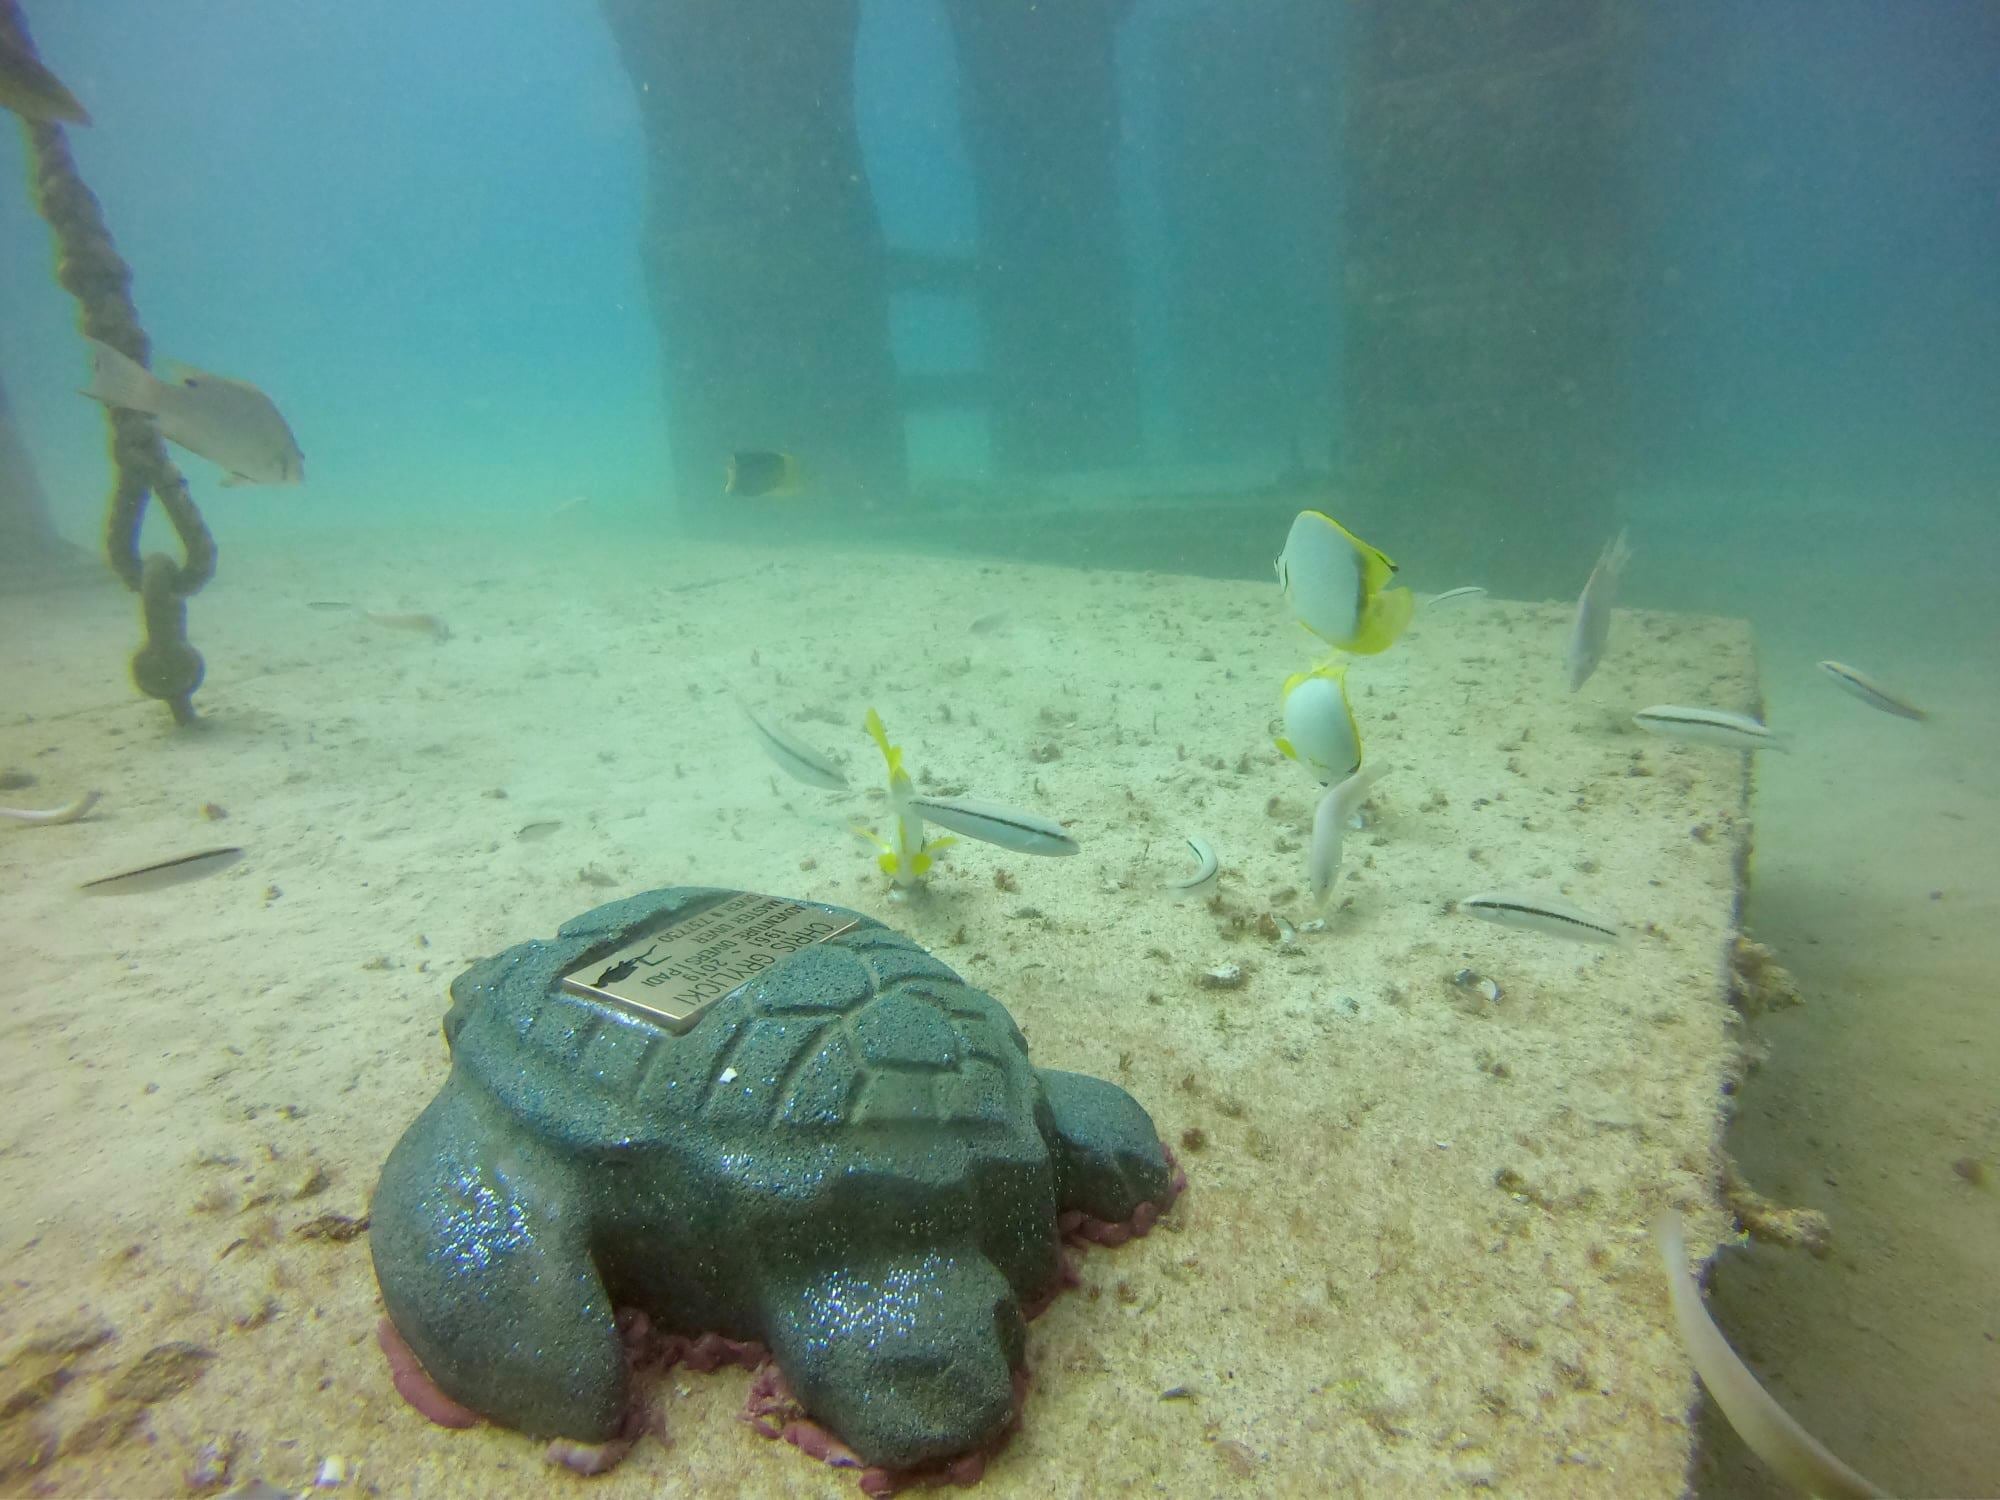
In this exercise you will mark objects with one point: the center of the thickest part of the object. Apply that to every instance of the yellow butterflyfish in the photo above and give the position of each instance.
(1336, 585)
(1320, 732)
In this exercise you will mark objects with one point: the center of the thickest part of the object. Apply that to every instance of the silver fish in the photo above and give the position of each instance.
(1539, 914)
(1468, 594)
(1871, 692)
(167, 872)
(794, 756)
(1330, 819)
(429, 625)
(229, 422)
(68, 813)
(989, 822)
(1766, 1428)
(1206, 867)
(1593, 612)
(1708, 726)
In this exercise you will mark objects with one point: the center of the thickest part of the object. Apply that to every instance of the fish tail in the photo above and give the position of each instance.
(116, 379)
(1612, 560)
(892, 755)
(1387, 616)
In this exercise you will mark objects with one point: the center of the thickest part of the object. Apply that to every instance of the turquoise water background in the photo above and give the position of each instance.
(417, 225)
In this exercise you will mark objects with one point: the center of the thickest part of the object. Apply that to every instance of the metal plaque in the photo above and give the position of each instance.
(670, 975)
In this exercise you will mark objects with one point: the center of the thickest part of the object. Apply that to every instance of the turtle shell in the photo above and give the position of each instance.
(862, 1042)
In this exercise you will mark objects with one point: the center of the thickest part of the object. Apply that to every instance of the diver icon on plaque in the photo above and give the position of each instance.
(672, 974)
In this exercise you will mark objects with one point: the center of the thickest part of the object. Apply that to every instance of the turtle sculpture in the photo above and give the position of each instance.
(847, 1158)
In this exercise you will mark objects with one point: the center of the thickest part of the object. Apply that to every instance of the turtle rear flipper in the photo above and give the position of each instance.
(909, 1358)
(1108, 1156)
(485, 1271)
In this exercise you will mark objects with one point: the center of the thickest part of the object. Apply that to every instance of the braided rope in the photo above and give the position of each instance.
(90, 269)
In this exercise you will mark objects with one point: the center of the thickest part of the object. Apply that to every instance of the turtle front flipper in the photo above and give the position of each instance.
(483, 1258)
(908, 1359)
(1108, 1156)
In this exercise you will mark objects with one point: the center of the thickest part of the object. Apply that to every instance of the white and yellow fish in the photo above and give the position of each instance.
(906, 859)
(992, 823)
(1336, 585)
(228, 422)
(1320, 732)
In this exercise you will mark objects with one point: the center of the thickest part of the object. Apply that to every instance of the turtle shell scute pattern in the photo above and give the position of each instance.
(863, 1030)
(888, 1040)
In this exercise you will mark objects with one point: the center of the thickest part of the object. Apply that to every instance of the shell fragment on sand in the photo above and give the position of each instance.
(167, 872)
(1540, 914)
(1708, 726)
(991, 823)
(1871, 692)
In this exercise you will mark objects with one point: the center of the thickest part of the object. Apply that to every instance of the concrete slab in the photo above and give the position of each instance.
(1413, 1256)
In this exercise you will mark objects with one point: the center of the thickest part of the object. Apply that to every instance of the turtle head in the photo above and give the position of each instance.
(1108, 1156)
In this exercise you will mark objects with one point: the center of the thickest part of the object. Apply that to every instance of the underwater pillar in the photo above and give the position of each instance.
(762, 251)
(1244, 114)
(1038, 99)
(1489, 277)
(27, 537)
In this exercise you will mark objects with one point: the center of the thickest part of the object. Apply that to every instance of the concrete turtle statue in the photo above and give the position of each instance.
(848, 1159)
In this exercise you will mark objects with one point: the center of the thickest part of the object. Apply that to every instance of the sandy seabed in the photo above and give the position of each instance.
(1414, 1255)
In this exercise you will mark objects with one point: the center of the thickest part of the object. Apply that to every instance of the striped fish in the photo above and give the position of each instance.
(1540, 914)
(990, 823)
(1708, 726)
(1206, 867)
(69, 812)
(794, 756)
(167, 872)
(1871, 692)
(1469, 594)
